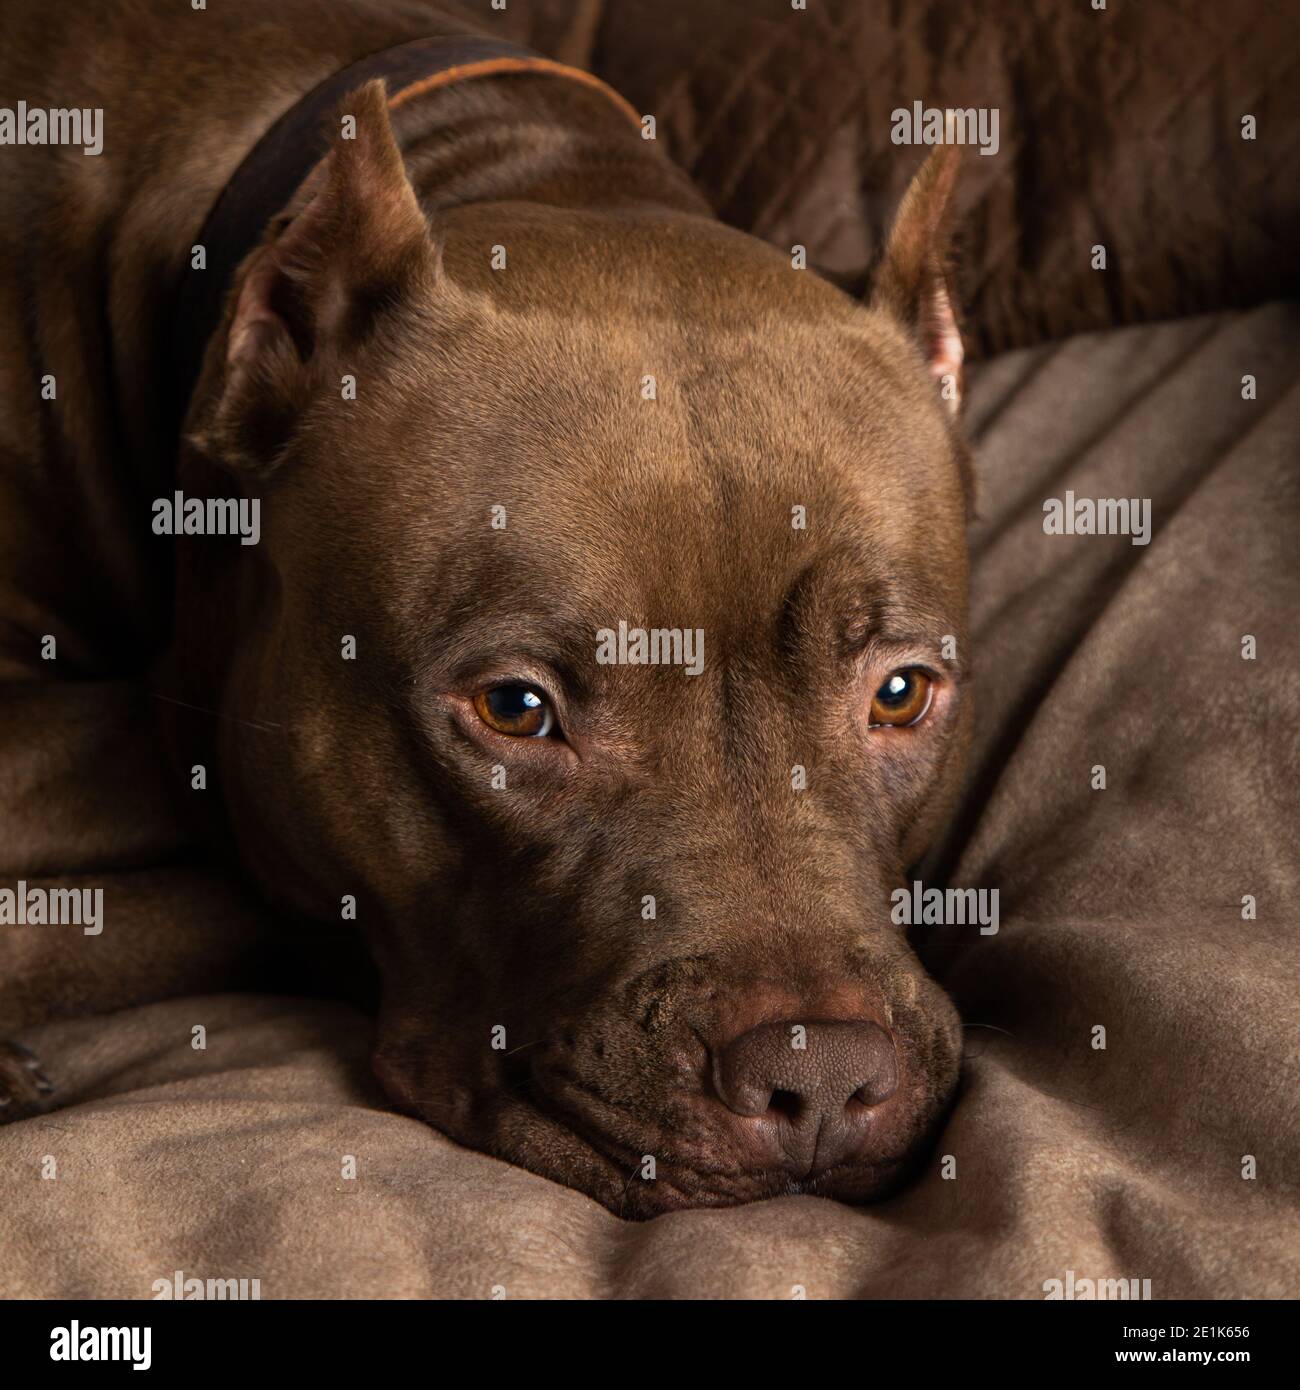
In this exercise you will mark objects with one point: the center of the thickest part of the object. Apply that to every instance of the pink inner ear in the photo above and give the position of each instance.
(943, 341)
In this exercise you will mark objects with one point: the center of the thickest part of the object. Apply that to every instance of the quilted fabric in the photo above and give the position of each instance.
(1119, 127)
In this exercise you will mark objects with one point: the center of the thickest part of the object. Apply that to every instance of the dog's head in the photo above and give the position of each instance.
(605, 646)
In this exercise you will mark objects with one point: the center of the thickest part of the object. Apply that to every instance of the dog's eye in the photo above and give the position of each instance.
(522, 711)
(904, 698)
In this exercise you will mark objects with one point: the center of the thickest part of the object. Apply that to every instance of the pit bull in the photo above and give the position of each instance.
(515, 409)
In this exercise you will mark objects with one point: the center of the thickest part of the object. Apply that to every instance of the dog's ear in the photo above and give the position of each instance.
(317, 285)
(912, 281)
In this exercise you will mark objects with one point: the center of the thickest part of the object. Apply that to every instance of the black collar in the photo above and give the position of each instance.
(274, 168)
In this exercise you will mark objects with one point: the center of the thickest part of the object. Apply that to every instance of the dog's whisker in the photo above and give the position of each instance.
(216, 714)
(992, 1028)
(627, 1187)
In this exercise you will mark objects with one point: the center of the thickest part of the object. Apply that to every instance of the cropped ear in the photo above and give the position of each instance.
(913, 282)
(317, 285)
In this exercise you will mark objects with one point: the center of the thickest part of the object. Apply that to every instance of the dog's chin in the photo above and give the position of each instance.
(535, 1134)
(522, 1134)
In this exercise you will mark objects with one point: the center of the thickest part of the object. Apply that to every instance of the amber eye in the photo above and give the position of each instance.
(904, 698)
(521, 711)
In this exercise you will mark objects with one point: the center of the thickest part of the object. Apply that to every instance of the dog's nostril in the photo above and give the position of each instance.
(878, 1090)
(787, 1103)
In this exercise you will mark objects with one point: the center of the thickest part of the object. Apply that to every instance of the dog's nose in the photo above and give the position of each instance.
(819, 1081)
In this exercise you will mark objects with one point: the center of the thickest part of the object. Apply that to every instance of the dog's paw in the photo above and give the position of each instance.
(24, 1088)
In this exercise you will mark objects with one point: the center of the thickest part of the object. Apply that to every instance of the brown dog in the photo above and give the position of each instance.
(592, 652)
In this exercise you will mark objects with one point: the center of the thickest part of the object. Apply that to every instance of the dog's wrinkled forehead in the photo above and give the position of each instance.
(622, 432)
